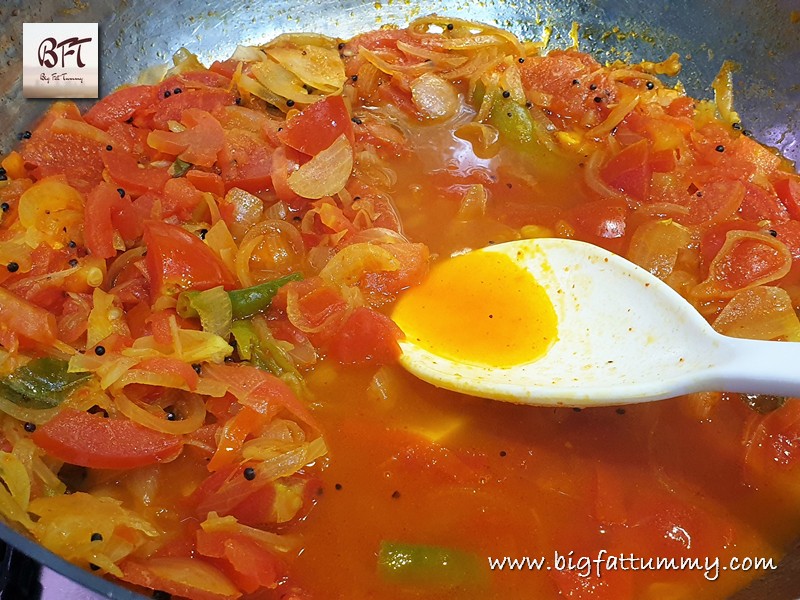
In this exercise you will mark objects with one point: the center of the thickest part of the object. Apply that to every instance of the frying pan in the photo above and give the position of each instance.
(761, 36)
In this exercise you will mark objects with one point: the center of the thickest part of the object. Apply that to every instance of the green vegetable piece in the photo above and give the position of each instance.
(248, 301)
(428, 566)
(514, 122)
(213, 306)
(179, 168)
(244, 303)
(42, 383)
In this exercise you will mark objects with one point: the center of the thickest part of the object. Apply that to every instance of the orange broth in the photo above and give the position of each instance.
(283, 459)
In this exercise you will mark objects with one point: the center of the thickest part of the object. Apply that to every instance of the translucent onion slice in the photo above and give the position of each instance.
(318, 67)
(282, 82)
(190, 408)
(434, 97)
(762, 313)
(348, 266)
(655, 246)
(326, 173)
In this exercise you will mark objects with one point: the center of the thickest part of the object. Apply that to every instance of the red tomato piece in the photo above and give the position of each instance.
(98, 231)
(207, 99)
(762, 205)
(630, 170)
(177, 259)
(126, 172)
(248, 563)
(171, 366)
(258, 390)
(25, 320)
(198, 144)
(206, 182)
(74, 156)
(181, 198)
(317, 126)
(93, 441)
(366, 337)
(120, 106)
(180, 576)
(714, 238)
(602, 222)
(788, 190)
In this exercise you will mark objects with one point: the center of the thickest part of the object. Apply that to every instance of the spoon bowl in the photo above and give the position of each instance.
(623, 337)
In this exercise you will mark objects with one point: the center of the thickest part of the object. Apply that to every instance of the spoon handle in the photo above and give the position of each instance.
(757, 367)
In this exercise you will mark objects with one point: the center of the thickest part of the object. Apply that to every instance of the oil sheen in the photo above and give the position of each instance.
(479, 308)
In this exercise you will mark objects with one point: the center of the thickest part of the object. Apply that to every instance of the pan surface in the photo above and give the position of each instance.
(762, 37)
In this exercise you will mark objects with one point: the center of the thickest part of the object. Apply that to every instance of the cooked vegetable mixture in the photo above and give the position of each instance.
(199, 385)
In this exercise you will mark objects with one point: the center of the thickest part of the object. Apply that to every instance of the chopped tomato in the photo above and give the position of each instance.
(25, 320)
(762, 205)
(180, 576)
(96, 442)
(173, 107)
(714, 238)
(317, 126)
(198, 144)
(171, 366)
(177, 259)
(126, 171)
(248, 563)
(120, 106)
(602, 222)
(261, 391)
(98, 230)
(788, 190)
(246, 161)
(234, 433)
(366, 336)
(629, 171)
(69, 154)
(206, 182)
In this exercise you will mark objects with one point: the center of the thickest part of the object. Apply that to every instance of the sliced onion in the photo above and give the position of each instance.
(762, 313)
(655, 246)
(318, 67)
(282, 82)
(190, 407)
(434, 97)
(348, 266)
(326, 173)
(280, 241)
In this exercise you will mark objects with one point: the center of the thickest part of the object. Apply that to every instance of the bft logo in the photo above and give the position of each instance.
(48, 57)
(60, 60)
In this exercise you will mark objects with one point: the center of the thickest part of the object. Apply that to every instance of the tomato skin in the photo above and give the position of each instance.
(120, 106)
(93, 441)
(366, 337)
(178, 259)
(98, 230)
(317, 126)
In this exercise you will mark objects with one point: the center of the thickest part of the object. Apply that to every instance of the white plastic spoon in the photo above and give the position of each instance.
(623, 337)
